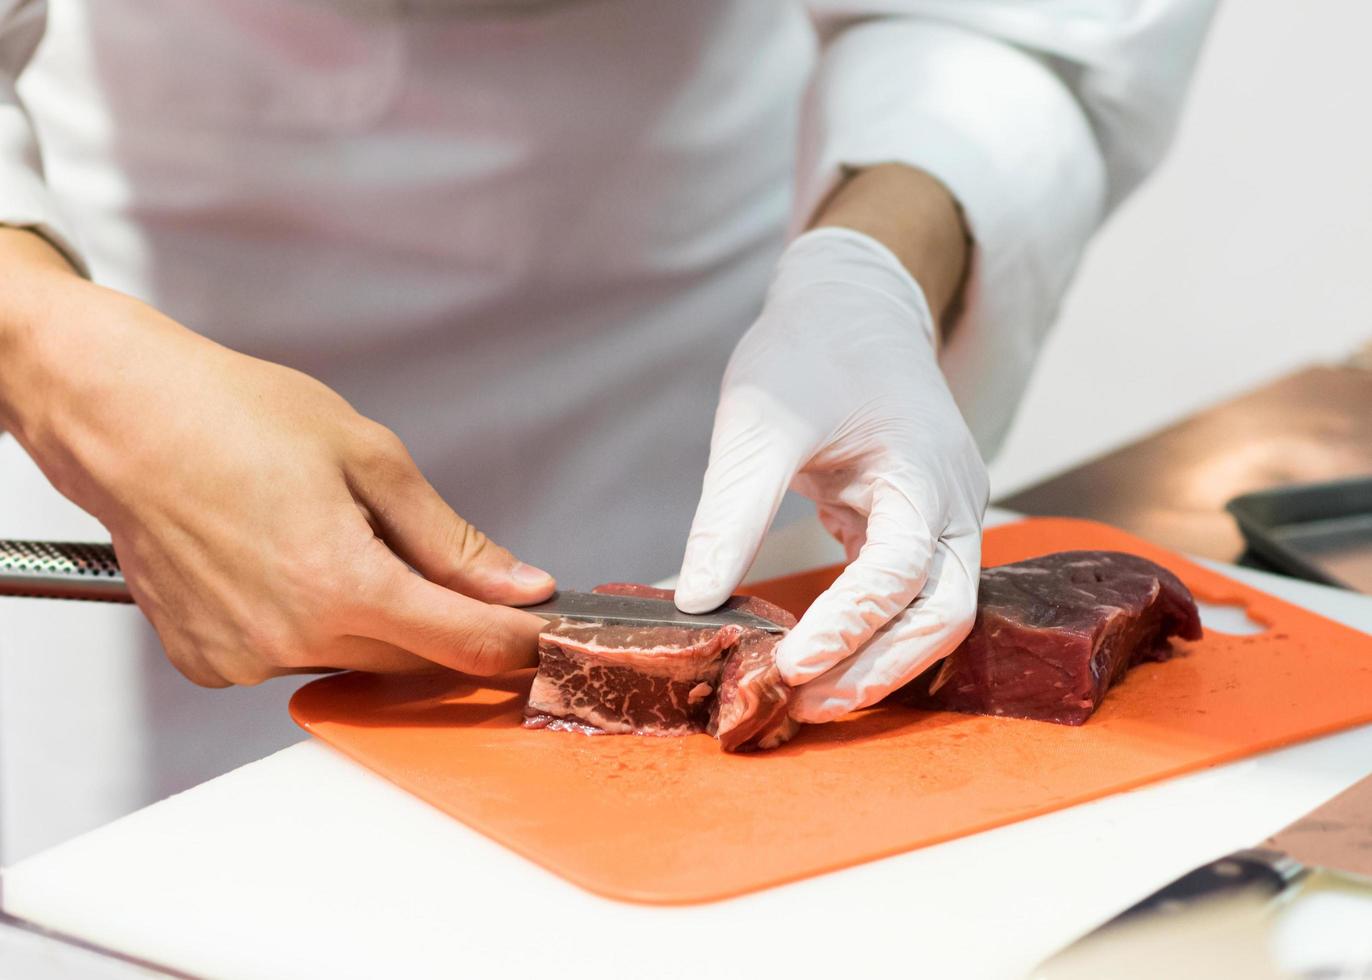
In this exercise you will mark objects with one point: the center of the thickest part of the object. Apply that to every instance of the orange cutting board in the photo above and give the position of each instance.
(675, 820)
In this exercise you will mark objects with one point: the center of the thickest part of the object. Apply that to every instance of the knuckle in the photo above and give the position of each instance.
(479, 657)
(291, 656)
(382, 449)
(470, 544)
(867, 615)
(194, 667)
(246, 675)
(260, 642)
(484, 653)
(381, 439)
(306, 572)
(267, 645)
(182, 654)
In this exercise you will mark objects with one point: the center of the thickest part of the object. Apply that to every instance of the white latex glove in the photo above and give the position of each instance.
(836, 392)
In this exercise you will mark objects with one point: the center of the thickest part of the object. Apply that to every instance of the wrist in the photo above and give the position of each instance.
(841, 255)
(914, 216)
(51, 320)
(32, 273)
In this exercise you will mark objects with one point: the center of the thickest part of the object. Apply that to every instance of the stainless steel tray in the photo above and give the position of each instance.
(1316, 531)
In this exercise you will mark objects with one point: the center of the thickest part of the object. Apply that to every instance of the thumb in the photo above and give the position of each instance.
(749, 470)
(419, 526)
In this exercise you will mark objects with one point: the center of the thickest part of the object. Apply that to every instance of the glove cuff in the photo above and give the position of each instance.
(842, 255)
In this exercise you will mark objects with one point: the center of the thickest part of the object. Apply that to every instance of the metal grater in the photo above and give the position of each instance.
(61, 570)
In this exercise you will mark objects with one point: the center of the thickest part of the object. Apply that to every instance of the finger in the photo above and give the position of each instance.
(889, 572)
(367, 654)
(177, 646)
(448, 628)
(923, 634)
(744, 483)
(419, 526)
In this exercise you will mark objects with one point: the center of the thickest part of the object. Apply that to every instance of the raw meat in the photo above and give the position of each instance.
(751, 709)
(664, 680)
(627, 680)
(1052, 634)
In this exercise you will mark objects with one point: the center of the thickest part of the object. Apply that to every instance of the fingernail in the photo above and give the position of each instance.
(528, 575)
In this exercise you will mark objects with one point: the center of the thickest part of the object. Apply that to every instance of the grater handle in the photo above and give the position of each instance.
(61, 570)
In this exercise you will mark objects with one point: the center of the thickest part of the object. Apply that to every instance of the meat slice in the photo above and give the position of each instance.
(627, 680)
(664, 680)
(1052, 634)
(751, 709)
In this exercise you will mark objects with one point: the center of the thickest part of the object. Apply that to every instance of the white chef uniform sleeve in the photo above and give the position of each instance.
(25, 201)
(1039, 118)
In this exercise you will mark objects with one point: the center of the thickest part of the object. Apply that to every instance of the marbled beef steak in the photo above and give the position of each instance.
(664, 680)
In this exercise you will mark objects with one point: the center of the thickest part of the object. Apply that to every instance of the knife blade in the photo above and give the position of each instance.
(1235, 902)
(595, 607)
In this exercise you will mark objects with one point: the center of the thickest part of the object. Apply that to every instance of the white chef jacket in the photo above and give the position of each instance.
(526, 235)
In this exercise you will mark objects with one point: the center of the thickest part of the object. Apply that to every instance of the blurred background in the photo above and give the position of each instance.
(1244, 259)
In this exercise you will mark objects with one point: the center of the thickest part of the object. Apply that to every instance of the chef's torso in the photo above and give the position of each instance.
(523, 235)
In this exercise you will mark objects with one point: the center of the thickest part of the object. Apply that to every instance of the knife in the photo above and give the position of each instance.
(72, 570)
(1234, 906)
(642, 611)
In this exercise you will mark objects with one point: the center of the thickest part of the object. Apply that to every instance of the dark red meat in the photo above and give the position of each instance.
(664, 680)
(1052, 634)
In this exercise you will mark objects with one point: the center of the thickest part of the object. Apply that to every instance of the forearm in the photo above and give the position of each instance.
(913, 215)
(32, 273)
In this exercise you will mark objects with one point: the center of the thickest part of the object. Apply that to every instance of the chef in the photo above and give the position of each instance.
(306, 296)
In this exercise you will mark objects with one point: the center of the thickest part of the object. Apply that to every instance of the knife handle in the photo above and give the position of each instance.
(61, 570)
(1257, 872)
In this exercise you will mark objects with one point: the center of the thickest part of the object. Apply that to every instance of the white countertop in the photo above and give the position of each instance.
(307, 865)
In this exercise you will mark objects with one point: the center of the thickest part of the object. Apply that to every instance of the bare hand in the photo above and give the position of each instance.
(263, 525)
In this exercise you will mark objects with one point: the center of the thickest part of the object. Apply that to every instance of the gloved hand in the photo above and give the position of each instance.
(836, 392)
